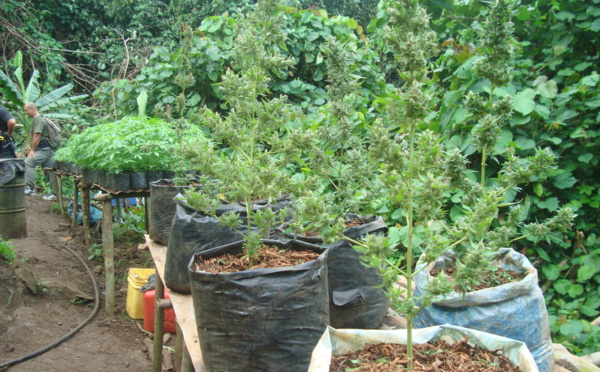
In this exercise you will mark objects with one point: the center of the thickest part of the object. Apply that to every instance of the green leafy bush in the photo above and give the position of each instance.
(128, 145)
(211, 54)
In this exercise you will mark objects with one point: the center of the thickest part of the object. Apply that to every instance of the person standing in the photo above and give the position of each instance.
(40, 152)
(7, 126)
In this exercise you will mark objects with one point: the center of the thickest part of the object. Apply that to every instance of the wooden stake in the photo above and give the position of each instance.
(85, 207)
(58, 183)
(109, 255)
(179, 345)
(75, 204)
(159, 324)
(186, 361)
(147, 213)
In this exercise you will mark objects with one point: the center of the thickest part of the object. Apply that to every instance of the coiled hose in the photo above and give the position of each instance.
(73, 331)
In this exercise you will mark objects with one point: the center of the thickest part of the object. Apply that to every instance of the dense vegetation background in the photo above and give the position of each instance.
(105, 53)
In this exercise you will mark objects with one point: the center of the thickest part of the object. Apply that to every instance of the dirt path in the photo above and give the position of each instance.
(29, 322)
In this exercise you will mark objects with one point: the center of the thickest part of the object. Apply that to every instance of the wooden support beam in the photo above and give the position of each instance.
(75, 204)
(159, 324)
(107, 196)
(147, 213)
(103, 197)
(109, 255)
(119, 203)
(85, 207)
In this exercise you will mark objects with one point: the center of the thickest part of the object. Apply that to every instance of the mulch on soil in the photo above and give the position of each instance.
(268, 257)
(489, 279)
(438, 356)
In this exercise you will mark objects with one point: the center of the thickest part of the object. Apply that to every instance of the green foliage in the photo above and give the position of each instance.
(133, 227)
(129, 145)
(554, 92)
(7, 251)
(18, 92)
(338, 163)
(41, 287)
(209, 53)
(96, 252)
(423, 178)
(248, 152)
(134, 46)
(55, 208)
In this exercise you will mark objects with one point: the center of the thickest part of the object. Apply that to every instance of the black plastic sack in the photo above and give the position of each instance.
(193, 231)
(515, 310)
(8, 149)
(355, 301)
(152, 176)
(88, 175)
(260, 319)
(137, 181)
(117, 181)
(10, 168)
(162, 209)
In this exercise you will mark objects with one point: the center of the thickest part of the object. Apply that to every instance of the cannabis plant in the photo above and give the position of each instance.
(250, 149)
(423, 179)
(338, 163)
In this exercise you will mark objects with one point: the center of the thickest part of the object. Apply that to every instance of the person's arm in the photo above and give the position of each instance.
(11, 126)
(35, 141)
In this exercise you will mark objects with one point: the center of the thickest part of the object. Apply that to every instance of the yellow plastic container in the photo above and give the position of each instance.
(136, 278)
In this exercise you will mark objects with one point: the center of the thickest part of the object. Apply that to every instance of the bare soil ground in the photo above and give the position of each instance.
(30, 321)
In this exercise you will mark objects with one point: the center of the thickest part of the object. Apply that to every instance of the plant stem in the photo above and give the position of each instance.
(250, 251)
(483, 160)
(409, 250)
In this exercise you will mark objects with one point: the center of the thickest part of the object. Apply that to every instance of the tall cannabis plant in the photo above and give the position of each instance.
(414, 175)
(247, 157)
(338, 163)
(423, 179)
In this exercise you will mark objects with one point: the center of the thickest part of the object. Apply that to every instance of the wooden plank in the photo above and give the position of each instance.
(183, 306)
(109, 255)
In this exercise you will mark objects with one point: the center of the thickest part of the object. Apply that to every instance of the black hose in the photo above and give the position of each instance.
(72, 332)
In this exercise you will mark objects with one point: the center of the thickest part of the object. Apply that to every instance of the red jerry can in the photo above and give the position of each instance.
(170, 325)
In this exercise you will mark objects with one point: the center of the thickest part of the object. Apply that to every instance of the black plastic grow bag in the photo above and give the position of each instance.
(260, 319)
(137, 181)
(356, 299)
(193, 231)
(162, 208)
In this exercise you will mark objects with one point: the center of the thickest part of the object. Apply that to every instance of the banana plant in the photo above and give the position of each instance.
(18, 92)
